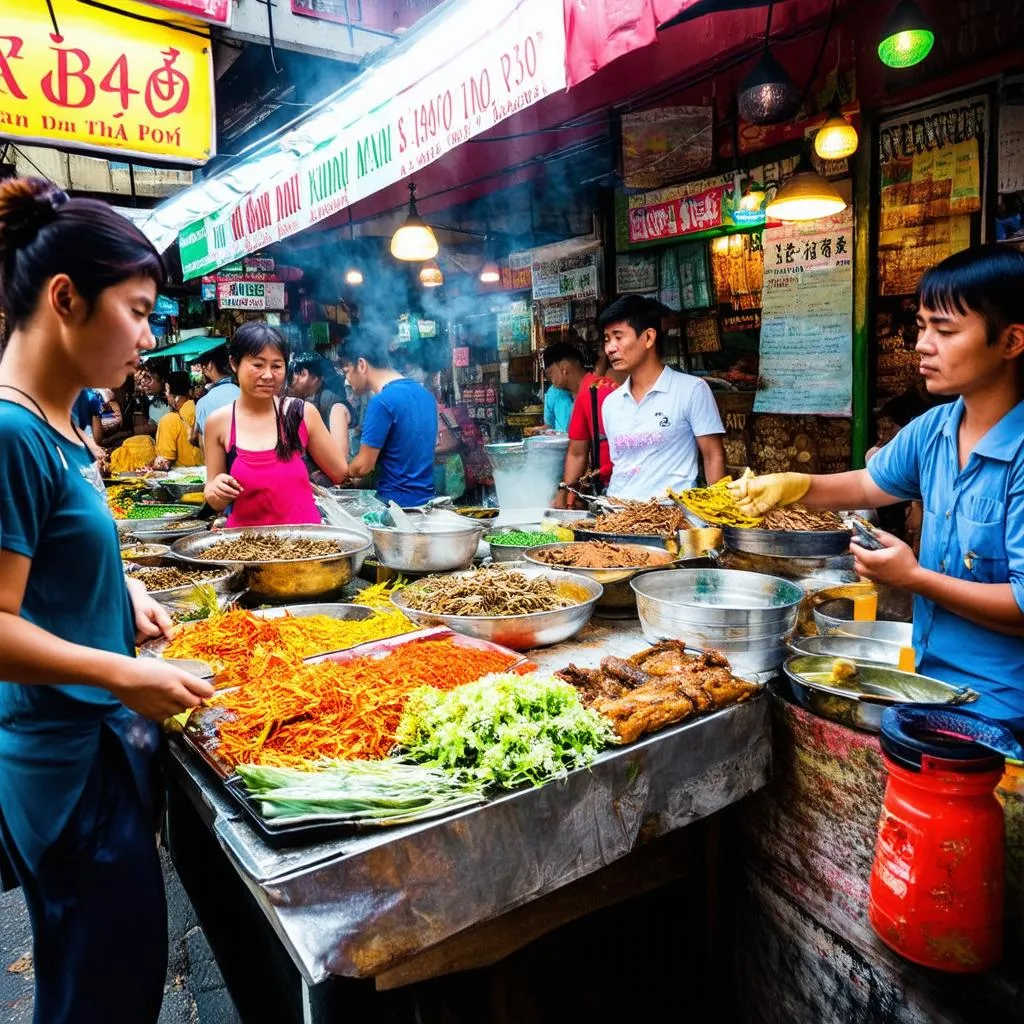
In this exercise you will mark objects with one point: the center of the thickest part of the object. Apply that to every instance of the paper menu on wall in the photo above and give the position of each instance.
(806, 360)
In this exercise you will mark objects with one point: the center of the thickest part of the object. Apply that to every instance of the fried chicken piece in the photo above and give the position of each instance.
(623, 670)
(592, 683)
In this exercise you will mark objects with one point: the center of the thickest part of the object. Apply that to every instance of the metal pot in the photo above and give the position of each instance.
(435, 547)
(746, 616)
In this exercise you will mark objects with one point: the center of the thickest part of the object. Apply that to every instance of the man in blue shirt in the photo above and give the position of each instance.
(222, 390)
(563, 367)
(965, 463)
(399, 428)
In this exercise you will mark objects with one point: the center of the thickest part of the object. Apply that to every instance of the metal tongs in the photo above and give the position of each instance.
(595, 503)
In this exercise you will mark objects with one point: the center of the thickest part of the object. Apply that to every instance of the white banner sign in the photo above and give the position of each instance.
(806, 363)
(493, 61)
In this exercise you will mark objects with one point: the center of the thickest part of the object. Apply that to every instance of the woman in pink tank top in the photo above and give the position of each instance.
(255, 446)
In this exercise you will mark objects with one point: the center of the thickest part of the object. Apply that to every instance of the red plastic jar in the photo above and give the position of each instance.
(937, 879)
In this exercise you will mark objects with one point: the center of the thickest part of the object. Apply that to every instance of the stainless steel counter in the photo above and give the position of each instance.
(355, 907)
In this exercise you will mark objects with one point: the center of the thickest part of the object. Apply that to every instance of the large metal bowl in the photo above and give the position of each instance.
(297, 579)
(788, 543)
(173, 490)
(437, 547)
(333, 610)
(618, 598)
(746, 616)
(859, 704)
(856, 648)
(520, 632)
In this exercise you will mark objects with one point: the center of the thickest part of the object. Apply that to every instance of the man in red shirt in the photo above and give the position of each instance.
(603, 381)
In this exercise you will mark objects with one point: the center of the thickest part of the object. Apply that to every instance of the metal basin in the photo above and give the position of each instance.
(859, 703)
(519, 632)
(856, 648)
(136, 527)
(618, 598)
(294, 578)
(437, 547)
(747, 616)
(835, 614)
(788, 543)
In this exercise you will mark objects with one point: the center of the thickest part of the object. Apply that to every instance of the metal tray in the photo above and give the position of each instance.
(789, 543)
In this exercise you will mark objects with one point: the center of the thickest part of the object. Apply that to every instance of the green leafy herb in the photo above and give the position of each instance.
(503, 730)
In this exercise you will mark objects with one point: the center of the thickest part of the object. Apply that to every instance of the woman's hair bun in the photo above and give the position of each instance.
(27, 205)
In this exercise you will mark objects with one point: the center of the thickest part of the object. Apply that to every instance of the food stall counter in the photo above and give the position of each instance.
(357, 906)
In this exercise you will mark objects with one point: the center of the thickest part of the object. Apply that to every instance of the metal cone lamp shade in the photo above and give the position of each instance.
(431, 275)
(353, 276)
(768, 95)
(836, 138)
(907, 37)
(490, 273)
(413, 242)
(806, 196)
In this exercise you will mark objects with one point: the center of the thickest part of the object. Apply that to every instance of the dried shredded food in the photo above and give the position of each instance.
(599, 554)
(261, 548)
(312, 713)
(489, 592)
(796, 517)
(166, 577)
(639, 517)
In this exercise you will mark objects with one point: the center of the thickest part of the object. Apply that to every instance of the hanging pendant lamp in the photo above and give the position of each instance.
(768, 95)
(805, 196)
(431, 275)
(353, 276)
(413, 241)
(907, 37)
(836, 138)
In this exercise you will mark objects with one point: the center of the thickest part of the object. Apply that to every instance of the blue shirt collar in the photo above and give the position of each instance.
(1002, 442)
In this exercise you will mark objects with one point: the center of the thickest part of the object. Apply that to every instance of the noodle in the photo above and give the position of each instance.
(796, 517)
(598, 554)
(252, 547)
(646, 518)
(486, 592)
(168, 577)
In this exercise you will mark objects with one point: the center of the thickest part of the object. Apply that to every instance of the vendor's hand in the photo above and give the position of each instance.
(158, 689)
(151, 618)
(894, 564)
(562, 497)
(757, 495)
(223, 488)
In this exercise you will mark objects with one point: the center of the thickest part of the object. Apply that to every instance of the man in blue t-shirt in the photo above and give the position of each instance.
(399, 428)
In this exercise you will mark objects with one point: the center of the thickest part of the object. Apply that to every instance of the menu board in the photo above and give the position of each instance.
(806, 363)
(573, 277)
(636, 272)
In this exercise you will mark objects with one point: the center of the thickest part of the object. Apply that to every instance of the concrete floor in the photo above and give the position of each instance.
(194, 992)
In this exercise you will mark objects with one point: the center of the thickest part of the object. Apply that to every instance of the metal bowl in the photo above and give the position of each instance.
(746, 616)
(788, 543)
(856, 648)
(335, 610)
(651, 540)
(172, 490)
(180, 598)
(859, 703)
(170, 533)
(899, 633)
(514, 552)
(519, 632)
(296, 578)
(137, 526)
(437, 547)
(145, 554)
(618, 597)
(835, 614)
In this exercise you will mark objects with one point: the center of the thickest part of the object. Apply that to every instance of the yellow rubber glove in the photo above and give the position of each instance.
(757, 495)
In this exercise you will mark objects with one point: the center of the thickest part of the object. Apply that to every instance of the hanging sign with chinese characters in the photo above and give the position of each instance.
(806, 363)
(243, 294)
(108, 82)
(574, 277)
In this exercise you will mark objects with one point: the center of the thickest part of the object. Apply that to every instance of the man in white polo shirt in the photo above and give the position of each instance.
(660, 421)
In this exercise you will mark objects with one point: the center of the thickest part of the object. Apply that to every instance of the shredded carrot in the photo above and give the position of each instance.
(234, 640)
(306, 713)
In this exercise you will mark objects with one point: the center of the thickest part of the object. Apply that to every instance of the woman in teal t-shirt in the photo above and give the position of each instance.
(77, 711)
